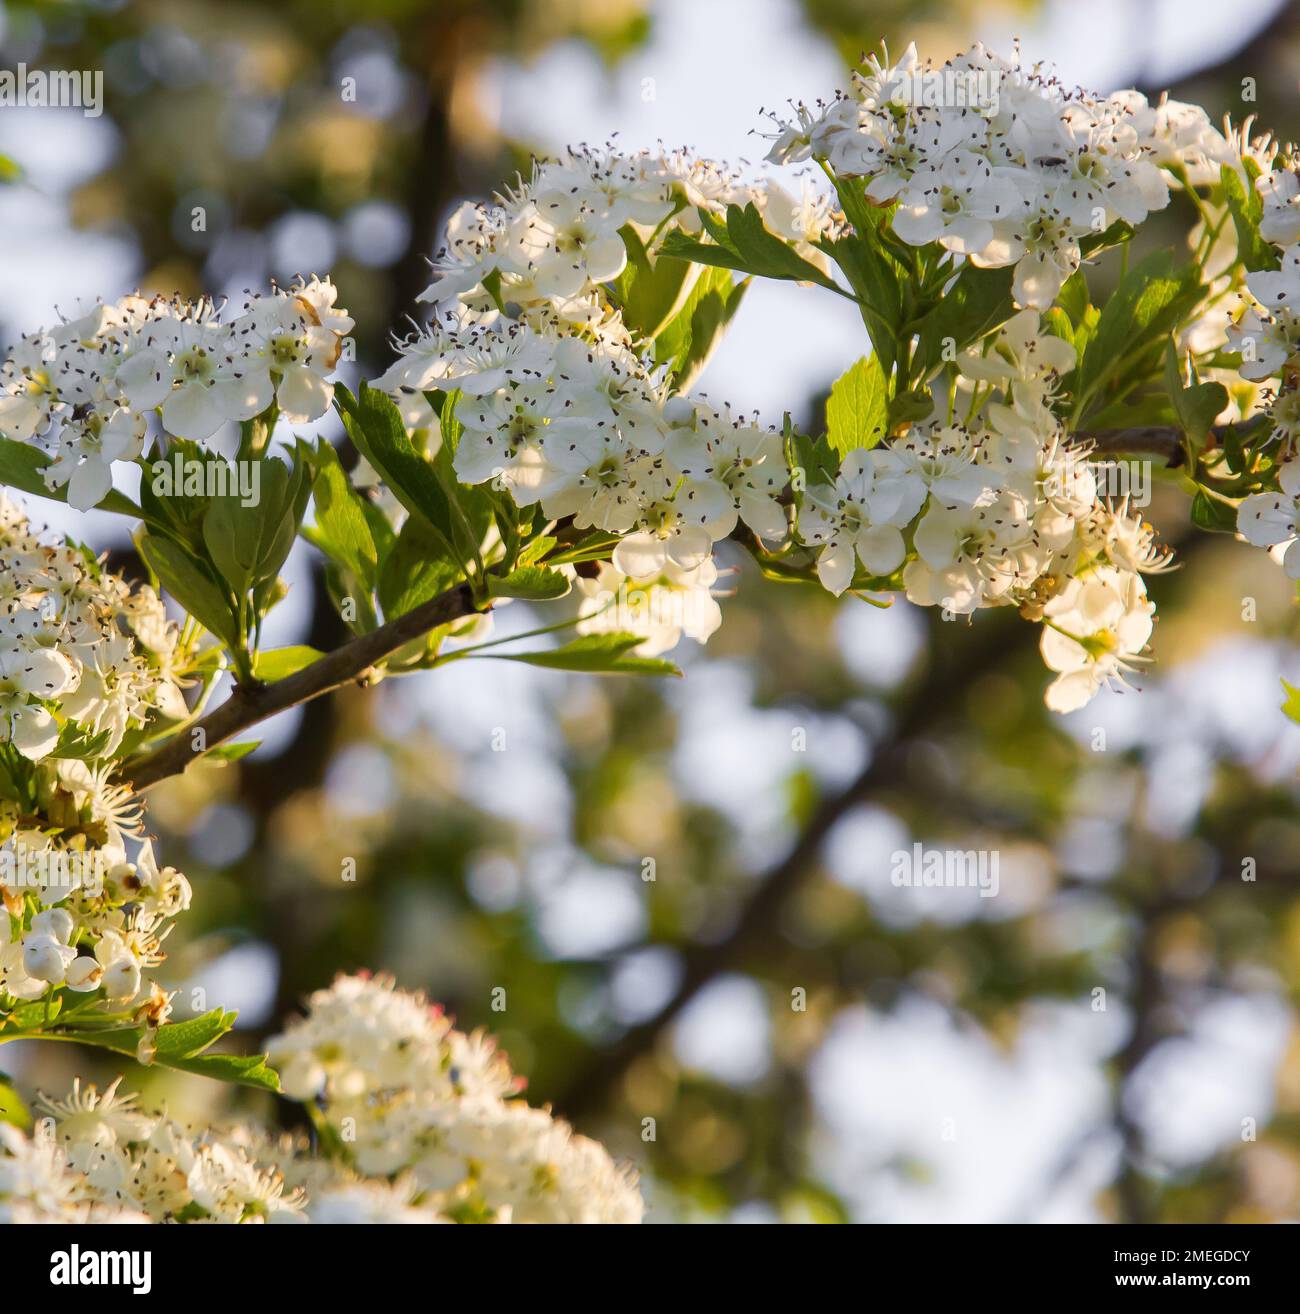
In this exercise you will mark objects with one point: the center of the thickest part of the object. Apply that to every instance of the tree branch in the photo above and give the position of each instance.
(248, 705)
(1160, 439)
(1150, 440)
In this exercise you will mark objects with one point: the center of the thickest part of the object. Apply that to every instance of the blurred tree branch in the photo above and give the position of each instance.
(954, 670)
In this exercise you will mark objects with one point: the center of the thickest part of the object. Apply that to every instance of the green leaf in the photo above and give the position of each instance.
(1116, 235)
(10, 170)
(272, 664)
(352, 600)
(686, 342)
(1213, 514)
(914, 404)
(12, 1108)
(651, 292)
(192, 584)
(815, 457)
(76, 742)
(1151, 300)
(743, 243)
(419, 567)
(181, 1045)
(1074, 297)
(595, 546)
(492, 286)
(21, 465)
(535, 549)
(375, 426)
(31, 1017)
(857, 413)
(872, 270)
(600, 654)
(537, 583)
(232, 752)
(237, 1069)
(472, 509)
(1196, 404)
(875, 277)
(248, 543)
(1246, 206)
(978, 302)
(344, 530)
(182, 1039)
(163, 499)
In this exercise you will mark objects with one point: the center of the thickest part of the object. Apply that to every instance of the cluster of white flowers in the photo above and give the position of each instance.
(76, 910)
(412, 1099)
(551, 242)
(79, 647)
(559, 408)
(1267, 335)
(39, 1185)
(578, 426)
(85, 917)
(999, 511)
(80, 651)
(998, 162)
(419, 1125)
(98, 1158)
(87, 388)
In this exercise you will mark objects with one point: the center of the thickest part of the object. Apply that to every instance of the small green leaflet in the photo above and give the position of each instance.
(12, 1108)
(375, 425)
(191, 583)
(687, 341)
(272, 664)
(1213, 513)
(1247, 208)
(743, 243)
(857, 413)
(535, 582)
(232, 752)
(651, 293)
(77, 742)
(1196, 404)
(978, 302)
(21, 465)
(418, 567)
(182, 1044)
(343, 530)
(1150, 300)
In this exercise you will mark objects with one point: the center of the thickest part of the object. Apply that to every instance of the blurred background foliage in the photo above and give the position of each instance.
(757, 1016)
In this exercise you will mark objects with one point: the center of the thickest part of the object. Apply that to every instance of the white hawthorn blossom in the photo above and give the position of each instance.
(87, 389)
(860, 516)
(1020, 175)
(430, 1105)
(1272, 520)
(1095, 632)
(656, 598)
